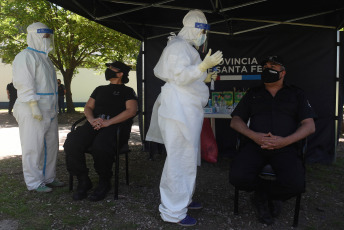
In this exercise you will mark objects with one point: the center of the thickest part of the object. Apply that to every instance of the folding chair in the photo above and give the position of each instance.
(267, 173)
(124, 128)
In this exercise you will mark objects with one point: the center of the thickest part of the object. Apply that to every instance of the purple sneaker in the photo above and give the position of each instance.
(195, 205)
(187, 221)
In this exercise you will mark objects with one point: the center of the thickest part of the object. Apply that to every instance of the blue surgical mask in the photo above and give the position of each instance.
(201, 39)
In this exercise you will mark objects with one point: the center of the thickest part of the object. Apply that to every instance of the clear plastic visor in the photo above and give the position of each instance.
(204, 32)
(48, 39)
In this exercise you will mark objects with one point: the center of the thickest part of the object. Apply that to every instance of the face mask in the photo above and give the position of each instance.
(270, 75)
(110, 74)
(200, 40)
(125, 79)
(47, 45)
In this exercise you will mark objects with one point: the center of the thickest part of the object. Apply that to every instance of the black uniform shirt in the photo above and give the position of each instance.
(110, 99)
(12, 91)
(279, 115)
(60, 90)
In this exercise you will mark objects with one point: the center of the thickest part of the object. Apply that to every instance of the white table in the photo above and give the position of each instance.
(212, 117)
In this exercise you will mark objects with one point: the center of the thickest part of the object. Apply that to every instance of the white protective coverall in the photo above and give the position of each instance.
(178, 116)
(34, 77)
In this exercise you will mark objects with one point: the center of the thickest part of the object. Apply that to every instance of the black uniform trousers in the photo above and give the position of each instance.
(102, 143)
(11, 104)
(287, 164)
(61, 104)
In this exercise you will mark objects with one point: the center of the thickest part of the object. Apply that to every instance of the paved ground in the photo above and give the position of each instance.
(10, 141)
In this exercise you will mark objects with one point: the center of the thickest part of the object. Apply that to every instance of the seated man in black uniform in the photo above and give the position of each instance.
(279, 115)
(108, 105)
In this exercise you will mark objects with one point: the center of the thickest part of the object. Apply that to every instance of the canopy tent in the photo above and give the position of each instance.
(148, 19)
(307, 36)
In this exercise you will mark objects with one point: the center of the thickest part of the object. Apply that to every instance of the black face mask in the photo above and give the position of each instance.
(270, 75)
(110, 74)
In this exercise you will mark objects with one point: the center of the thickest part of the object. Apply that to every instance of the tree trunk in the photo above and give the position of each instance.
(67, 77)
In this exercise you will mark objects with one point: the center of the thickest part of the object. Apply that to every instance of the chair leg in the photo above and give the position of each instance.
(70, 182)
(236, 201)
(116, 173)
(151, 153)
(297, 210)
(127, 167)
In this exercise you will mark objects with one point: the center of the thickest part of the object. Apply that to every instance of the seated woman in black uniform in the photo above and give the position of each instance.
(108, 106)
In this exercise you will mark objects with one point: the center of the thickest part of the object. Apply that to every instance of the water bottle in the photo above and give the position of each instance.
(217, 107)
(222, 105)
(209, 103)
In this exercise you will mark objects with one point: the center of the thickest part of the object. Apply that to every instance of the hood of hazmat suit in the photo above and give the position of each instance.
(195, 28)
(40, 37)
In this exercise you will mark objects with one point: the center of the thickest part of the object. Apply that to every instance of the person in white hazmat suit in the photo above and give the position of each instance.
(35, 110)
(178, 115)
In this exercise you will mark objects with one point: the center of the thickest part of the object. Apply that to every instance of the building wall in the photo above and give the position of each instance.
(5, 78)
(83, 83)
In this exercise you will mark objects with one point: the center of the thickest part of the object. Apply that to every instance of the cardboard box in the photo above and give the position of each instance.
(228, 96)
(238, 96)
(215, 97)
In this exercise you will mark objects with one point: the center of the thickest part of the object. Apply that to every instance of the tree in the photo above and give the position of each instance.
(79, 42)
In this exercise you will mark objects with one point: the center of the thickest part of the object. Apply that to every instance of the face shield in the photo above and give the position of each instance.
(201, 42)
(195, 29)
(47, 36)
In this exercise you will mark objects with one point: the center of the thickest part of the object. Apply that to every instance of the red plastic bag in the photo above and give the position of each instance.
(209, 149)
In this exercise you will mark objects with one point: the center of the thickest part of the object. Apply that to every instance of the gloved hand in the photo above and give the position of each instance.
(211, 75)
(210, 61)
(36, 112)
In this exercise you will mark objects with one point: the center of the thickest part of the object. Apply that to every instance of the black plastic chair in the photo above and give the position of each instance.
(268, 173)
(123, 148)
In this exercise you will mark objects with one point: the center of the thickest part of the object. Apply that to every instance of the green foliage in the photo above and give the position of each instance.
(79, 42)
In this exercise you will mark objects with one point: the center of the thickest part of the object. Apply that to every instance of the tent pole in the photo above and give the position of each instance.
(337, 98)
(135, 9)
(160, 5)
(143, 97)
(83, 8)
(241, 5)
